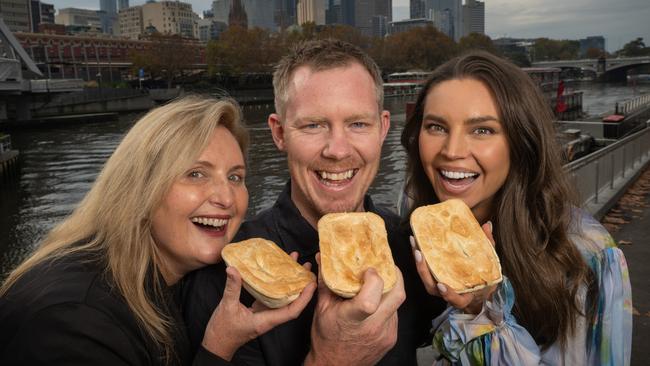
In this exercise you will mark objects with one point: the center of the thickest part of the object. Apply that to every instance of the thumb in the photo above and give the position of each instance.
(233, 286)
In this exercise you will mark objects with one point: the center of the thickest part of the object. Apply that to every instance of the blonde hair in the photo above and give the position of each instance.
(113, 221)
(320, 55)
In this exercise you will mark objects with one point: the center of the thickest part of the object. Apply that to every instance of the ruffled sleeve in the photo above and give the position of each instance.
(492, 337)
(610, 335)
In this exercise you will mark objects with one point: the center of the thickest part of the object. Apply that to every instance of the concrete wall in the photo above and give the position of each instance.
(137, 103)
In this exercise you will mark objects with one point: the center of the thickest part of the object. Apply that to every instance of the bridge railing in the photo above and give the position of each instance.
(601, 176)
(633, 105)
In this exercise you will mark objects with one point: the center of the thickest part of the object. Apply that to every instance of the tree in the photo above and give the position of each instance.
(550, 49)
(593, 52)
(241, 50)
(422, 48)
(634, 48)
(477, 41)
(166, 56)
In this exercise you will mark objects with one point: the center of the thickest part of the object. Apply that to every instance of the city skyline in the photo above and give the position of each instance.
(619, 22)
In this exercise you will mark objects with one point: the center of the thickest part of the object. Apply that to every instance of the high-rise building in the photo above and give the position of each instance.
(237, 15)
(310, 11)
(108, 6)
(16, 15)
(447, 16)
(220, 10)
(166, 17)
(473, 17)
(260, 14)
(122, 4)
(131, 24)
(372, 16)
(41, 13)
(416, 9)
(285, 13)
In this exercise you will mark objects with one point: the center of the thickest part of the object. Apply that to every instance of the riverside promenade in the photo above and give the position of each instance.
(629, 223)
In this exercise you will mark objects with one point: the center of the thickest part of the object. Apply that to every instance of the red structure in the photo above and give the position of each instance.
(87, 57)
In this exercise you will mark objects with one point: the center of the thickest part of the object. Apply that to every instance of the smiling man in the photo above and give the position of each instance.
(331, 124)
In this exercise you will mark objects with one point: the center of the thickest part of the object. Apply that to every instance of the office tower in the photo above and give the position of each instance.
(16, 15)
(237, 15)
(417, 9)
(285, 13)
(372, 16)
(474, 17)
(41, 13)
(595, 42)
(260, 14)
(447, 16)
(220, 10)
(310, 11)
(122, 4)
(108, 6)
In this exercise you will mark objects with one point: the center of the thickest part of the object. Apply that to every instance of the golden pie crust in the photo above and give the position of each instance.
(350, 243)
(268, 273)
(455, 248)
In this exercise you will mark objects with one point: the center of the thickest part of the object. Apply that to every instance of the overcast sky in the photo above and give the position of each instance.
(619, 21)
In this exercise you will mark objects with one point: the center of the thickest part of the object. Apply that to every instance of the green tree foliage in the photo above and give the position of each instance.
(550, 49)
(477, 41)
(166, 57)
(634, 48)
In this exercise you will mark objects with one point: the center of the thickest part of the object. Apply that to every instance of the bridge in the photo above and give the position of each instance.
(608, 69)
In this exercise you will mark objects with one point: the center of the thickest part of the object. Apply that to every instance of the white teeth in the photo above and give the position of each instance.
(457, 175)
(337, 176)
(209, 221)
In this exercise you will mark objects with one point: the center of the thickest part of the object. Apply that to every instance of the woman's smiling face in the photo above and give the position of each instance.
(463, 146)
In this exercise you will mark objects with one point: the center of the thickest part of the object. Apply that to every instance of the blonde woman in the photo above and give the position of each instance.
(101, 287)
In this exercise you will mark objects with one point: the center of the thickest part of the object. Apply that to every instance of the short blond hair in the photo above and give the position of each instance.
(319, 55)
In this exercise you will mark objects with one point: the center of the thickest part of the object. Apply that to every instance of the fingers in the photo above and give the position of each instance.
(294, 256)
(393, 299)
(423, 271)
(271, 318)
(366, 302)
(233, 286)
(459, 301)
(487, 229)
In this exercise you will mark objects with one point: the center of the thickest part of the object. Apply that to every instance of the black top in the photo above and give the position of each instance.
(64, 312)
(289, 343)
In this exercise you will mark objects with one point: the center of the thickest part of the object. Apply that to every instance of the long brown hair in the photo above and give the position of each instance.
(113, 221)
(532, 210)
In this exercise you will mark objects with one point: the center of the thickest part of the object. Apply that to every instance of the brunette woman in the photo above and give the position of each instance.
(482, 132)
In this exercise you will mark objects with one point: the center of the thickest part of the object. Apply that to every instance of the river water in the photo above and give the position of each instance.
(58, 166)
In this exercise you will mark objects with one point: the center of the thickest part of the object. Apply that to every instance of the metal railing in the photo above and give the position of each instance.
(605, 172)
(633, 105)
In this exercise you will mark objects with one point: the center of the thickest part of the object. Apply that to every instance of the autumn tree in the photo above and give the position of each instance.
(241, 50)
(477, 41)
(422, 48)
(550, 49)
(166, 56)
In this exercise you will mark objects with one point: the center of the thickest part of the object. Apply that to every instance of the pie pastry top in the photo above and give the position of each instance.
(454, 246)
(350, 243)
(268, 273)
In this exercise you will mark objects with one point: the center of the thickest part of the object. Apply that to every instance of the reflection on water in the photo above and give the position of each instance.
(59, 165)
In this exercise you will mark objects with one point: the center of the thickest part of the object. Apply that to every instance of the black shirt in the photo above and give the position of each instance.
(289, 343)
(66, 312)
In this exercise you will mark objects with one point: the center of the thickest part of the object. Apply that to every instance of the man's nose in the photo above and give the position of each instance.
(338, 145)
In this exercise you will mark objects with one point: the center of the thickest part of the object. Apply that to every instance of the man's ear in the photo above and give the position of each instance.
(385, 124)
(277, 130)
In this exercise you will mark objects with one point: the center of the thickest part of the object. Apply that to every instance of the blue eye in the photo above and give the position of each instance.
(358, 124)
(195, 174)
